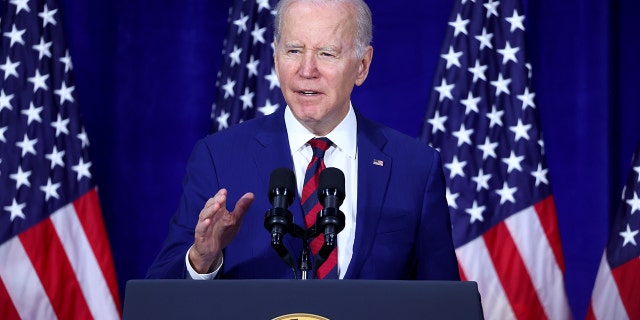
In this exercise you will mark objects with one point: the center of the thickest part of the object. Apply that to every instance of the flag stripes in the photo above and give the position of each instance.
(66, 262)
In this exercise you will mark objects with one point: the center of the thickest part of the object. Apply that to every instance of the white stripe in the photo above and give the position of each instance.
(534, 247)
(606, 300)
(22, 282)
(477, 265)
(84, 263)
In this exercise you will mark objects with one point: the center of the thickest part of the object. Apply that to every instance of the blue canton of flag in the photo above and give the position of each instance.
(55, 260)
(247, 85)
(617, 286)
(483, 119)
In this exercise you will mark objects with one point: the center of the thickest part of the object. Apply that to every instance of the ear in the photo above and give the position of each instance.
(275, 58)
(363, 67)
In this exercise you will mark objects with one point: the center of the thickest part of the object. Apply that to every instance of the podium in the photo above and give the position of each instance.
(301, 299)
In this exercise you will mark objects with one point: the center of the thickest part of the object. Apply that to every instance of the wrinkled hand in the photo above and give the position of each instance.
(216, 228)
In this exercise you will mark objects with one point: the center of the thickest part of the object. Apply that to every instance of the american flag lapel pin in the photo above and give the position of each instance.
(378, 162)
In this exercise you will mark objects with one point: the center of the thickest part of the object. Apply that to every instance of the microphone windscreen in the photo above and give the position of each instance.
(331, 178)
(282, 178)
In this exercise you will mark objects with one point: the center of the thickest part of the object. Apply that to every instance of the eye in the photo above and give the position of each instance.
(293, 51)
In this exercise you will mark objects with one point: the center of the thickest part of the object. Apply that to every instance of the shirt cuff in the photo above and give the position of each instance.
(199, 276)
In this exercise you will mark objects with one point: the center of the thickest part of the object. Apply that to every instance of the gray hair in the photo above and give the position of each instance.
(364, 32)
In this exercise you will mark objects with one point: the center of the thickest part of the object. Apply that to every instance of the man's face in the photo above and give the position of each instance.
(316, 63)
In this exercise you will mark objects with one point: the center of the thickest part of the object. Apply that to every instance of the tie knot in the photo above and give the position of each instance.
(319, 146)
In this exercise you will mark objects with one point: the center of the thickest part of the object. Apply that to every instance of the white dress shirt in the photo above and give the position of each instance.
(342, 155)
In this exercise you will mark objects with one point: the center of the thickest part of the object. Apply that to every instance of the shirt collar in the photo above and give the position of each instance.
(343, 136)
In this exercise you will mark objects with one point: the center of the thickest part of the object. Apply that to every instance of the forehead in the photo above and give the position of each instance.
(318, 22)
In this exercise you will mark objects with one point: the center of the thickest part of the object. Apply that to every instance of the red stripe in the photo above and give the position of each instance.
(590, 314)
(316, 244)
(328, 264)
(546, 211)
(7, 309)
(513, 274)
(90, 216)
(54, 271)
(463, 277)
(627, 277)
(311, 185)
(312, 216)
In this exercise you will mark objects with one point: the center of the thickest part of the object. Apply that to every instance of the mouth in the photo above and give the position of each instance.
(308, 93)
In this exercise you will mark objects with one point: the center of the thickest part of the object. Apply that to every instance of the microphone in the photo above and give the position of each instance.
(330, 220)
(278, 220)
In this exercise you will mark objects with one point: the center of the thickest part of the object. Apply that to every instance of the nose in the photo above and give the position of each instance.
(309, 66)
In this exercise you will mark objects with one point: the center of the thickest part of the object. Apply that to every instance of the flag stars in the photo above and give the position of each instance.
(228, 88)
(10, 68)
(241, 22)
(66, 60)
(453, 58)
(516, 21)
(55, 157)
(2, 137)
(47, 16)
(15, 35)
(39, 81)
(252, 66)
(513, 162)
(456, 167)
(437, 122)
(21, 178)
(540, 175)
(527, 99)
(258, 34)
(629, 236)
(82, 169)
(5, 101)
(506, 193)
(27, 145)
(460, 26)
(15, 210)
(636, 169)
(247, 99)
(445, 90)
(273, 79)
(268, 108)
(481, 180)
(471, 103)
(263, 4)
(485, 39)
(634, 203)
(502, 85)
(495, 117)
(84, 139)
(463, 135)
(451, 198)
(476, 212)
(235, 55)
(488, 148)
(43, 48)
(223, 120)
(61, 125)
(33, 113)
(521, 130)
(65, 93)
(492, 8)
(21, 5)
(509, 53)
(478, 71)
(50, 190)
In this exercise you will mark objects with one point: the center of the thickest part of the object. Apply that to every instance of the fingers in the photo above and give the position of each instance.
(243, 205)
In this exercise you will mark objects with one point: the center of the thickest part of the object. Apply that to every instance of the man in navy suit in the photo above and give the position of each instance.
(397, 223)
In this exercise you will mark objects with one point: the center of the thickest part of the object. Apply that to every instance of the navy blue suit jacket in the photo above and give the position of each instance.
(403, 229)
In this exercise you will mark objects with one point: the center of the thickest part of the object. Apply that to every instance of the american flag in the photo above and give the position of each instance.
(616, 292)
(247, 85)
(483, 119)
(55, 260)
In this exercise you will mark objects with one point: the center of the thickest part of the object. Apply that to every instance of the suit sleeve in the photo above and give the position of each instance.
(200, 183)
(435, 254)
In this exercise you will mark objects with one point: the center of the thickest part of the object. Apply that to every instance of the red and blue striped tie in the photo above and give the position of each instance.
(311, 206)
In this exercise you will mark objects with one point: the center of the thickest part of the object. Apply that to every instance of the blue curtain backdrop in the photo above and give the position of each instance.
(145, 74)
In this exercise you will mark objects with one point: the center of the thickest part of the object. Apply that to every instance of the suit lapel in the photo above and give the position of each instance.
(374, 168)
